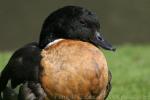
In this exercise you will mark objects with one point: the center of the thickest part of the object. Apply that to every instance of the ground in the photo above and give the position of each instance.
(130, 67)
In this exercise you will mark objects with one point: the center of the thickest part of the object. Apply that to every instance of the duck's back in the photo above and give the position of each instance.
(73, 70)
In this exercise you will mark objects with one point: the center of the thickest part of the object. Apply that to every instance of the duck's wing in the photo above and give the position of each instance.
(23, 66)
(31, 91)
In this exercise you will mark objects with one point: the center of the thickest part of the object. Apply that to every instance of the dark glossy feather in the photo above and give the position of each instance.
(23, 66)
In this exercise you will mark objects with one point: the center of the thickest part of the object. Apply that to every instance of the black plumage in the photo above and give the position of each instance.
(23, 66)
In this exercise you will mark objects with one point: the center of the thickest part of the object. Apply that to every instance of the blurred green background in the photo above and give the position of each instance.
(123, 22)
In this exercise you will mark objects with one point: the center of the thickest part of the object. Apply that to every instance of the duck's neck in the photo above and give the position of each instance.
(53, 42)
(47, 40)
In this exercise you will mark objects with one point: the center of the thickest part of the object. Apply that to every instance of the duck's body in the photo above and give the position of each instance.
(73, 70)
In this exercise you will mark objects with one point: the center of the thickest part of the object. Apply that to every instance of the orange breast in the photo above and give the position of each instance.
(73, 70)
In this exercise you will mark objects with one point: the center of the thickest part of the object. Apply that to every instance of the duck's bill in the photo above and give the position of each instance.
(99, 40)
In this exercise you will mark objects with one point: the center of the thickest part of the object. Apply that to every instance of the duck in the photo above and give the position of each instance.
(67, 62)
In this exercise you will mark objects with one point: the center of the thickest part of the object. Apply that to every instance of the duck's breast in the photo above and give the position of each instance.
(73, 70)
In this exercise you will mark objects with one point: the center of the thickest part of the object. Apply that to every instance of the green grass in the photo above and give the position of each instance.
(130, 67)
(4, 57)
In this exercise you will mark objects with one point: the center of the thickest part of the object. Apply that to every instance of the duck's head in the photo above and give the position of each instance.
(73, 22)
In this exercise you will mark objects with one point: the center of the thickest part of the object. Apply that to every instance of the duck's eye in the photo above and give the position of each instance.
(83, 22)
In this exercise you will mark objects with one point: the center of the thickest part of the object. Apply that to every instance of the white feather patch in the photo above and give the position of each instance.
(54, 42)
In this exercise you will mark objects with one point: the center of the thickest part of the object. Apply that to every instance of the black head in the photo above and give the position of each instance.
(73, 22)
